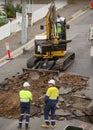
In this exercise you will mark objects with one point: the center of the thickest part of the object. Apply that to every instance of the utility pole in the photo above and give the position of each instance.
(24, 28)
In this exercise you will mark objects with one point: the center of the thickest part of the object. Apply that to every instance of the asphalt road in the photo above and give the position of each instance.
(35, 124)
(79, 33)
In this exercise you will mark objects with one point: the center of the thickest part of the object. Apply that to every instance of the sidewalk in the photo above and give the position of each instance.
(15, 39)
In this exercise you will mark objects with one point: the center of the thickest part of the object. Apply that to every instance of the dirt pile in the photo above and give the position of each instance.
(70, 105)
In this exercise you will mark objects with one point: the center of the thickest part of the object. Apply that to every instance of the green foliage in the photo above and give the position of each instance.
(19, 8)
(11, 10)
(2, 22)
(2, 14)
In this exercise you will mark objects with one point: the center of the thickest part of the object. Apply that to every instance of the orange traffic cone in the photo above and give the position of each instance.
(8, 50)
(91, 6)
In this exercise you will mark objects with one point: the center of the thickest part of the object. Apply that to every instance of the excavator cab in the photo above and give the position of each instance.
(53, 43)
(61, 28)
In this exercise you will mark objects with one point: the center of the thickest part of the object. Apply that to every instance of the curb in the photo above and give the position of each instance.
(77, 14)
(17, 52)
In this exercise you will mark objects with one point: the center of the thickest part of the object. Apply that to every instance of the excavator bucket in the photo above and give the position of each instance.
(36, 73)
(40, 70)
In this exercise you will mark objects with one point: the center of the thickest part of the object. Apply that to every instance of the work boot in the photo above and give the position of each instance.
(19, 127)
(45, 126)
(53, 126)
(27, 128)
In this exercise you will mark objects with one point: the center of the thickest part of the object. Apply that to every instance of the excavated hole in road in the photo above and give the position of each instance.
(71, 105)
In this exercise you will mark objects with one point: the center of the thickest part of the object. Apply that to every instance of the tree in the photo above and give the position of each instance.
(11, 10)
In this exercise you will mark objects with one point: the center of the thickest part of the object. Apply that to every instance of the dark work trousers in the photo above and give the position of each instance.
(50, 106)
(24, 109)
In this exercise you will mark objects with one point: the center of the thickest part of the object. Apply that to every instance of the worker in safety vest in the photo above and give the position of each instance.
(25, 99)
(51, 99)
(59, 26)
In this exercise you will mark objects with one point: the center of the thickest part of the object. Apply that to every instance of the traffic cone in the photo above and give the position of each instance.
(8, 50)
(91, 6)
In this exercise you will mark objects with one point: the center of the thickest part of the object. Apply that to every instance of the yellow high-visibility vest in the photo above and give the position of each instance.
(25, 96)
(52, 92)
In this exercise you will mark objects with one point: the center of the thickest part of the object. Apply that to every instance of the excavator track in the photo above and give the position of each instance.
(64, 62)
(59, 64)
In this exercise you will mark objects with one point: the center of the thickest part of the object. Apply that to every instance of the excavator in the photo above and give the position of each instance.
(50, 49)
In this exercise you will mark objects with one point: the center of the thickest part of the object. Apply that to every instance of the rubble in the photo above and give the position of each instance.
(71, 105)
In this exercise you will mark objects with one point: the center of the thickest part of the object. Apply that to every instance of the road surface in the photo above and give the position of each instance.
(79, 33)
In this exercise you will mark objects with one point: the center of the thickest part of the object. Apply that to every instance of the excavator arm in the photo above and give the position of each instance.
(51, 20)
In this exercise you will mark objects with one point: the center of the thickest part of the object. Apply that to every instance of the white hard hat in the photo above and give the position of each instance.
(26, 84)
(52, 81)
